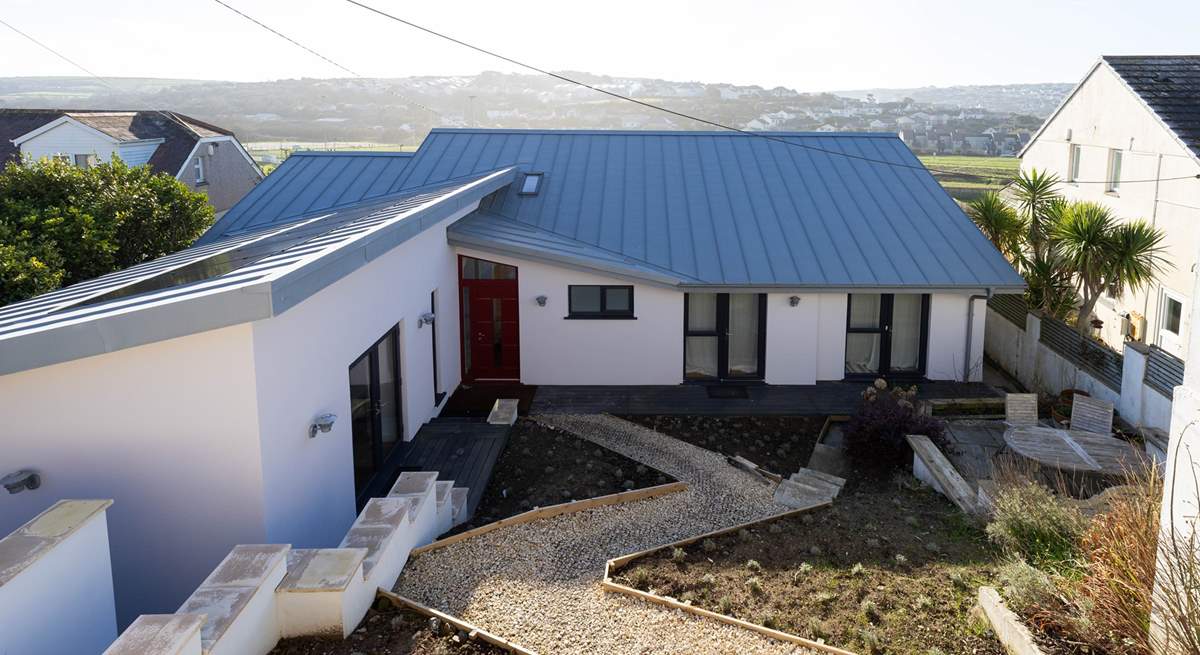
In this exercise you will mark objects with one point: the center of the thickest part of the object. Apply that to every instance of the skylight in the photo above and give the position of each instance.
(531, 184)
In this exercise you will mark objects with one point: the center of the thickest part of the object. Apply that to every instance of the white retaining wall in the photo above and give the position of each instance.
(56, 588)
(1039, 368)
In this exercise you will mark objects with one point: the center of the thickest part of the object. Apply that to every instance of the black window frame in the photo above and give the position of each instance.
(605, 312)
(721, 332)
(884, 330)
(541, 177)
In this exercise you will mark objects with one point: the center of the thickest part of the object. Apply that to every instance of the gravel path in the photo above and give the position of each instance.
(538, 583)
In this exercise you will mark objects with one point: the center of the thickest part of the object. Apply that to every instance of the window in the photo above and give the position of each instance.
(1073, 163)
(199, 165)
(531, 184)
(66, 159)
(1172, 315)
(85, 161)
(594, 301)
(1114, 171)
(438, 394)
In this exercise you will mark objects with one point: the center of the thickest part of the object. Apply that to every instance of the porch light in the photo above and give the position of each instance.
(794, 301)
(323, 423)
(541, 301)
(425, 319)
(22, 480)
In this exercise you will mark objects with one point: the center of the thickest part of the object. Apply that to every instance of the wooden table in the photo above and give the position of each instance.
(1085, 461)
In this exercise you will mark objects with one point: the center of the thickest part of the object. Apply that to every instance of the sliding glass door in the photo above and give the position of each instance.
(375, 416)
(886, 334)
(724, 336)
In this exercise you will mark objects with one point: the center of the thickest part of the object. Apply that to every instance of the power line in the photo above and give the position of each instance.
(59, 55)
(705, 121)
(311, 51)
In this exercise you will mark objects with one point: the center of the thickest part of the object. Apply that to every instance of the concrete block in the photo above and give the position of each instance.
(160, 634)
(504, 412)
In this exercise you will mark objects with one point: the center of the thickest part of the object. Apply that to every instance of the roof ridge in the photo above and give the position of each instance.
(678, 133)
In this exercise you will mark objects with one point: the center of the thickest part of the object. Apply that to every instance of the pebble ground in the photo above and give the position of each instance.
(538, 584)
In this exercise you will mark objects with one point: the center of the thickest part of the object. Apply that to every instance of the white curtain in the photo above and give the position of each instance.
(864, 310)
(862, 353)
(743, 333)
(700, 357)
(702, 311)
(906, 332)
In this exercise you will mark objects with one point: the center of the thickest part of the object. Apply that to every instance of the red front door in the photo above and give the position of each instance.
(490, 329)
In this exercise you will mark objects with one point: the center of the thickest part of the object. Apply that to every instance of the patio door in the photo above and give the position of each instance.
(886, 334)
(724, 336)
(376, 421)
(491, 347)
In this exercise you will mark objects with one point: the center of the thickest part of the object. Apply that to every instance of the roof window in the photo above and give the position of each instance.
(531, 184)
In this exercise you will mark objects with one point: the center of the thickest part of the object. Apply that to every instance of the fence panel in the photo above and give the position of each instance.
(1164, 371)
(1010, 306)
(1097, 359)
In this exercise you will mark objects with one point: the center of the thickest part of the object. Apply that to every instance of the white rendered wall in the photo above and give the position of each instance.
(169, 431)
(806, 343)
(948, 338)
(69, 139)
(648, 350)
(302, 358)
(62, 603)
(1105, 114)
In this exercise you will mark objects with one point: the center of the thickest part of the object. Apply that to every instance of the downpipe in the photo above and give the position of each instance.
(970, 330)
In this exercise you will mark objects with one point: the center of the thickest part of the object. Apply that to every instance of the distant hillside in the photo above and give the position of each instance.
(402, 110)
(1034, 99)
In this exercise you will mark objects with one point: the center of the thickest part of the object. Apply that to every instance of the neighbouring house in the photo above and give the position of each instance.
(206, 158)
(255, 387)
(1128, 137)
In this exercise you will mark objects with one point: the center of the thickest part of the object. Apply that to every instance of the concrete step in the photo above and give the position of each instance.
(813, 485)
(375, 528)
(243, 583)
(458, 501)
(796, 495)
(504, 412)
(829, 460)
(445, 509)
(821, 475)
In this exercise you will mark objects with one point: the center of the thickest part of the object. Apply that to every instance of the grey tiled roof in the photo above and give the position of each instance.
(1170, 85)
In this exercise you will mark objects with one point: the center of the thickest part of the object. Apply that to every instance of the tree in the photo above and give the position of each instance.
(1036, 200)
(60, 224)
(1104, 255)
(999, 223)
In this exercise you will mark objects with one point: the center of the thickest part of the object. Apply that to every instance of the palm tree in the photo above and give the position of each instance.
(1035, 196)
(1050, 286)
(1104, 255)
(999, 223)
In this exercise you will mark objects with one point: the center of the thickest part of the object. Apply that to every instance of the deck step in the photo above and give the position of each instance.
(829, 460)
(458, 501)
(826, 477)
(504, 412)
(807, 487)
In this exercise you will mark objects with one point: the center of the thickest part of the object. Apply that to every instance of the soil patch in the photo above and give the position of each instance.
(541, 466)
(393, 631)
(889, 567)
(780, 444)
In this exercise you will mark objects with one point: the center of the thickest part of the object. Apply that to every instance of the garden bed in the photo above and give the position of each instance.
(392, 631)
(541, 466)
(889, 567)
(780, 444)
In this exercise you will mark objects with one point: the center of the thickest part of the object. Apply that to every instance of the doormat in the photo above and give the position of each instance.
(730, 392)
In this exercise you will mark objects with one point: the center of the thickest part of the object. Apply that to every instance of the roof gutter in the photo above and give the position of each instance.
(971, 331)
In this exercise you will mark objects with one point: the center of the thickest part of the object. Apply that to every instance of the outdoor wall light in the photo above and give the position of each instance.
(323, 423)
(794, 301)
(24, 479)
(425, 319)
(541, 301)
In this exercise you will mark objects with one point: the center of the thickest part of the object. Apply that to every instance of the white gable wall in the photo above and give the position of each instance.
(1102, 114)
(303, 357)
(169, 431)
(72, 139)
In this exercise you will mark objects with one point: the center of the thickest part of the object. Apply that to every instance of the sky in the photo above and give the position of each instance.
(800, 44)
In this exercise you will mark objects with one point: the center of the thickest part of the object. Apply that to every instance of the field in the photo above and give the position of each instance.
(959, 176)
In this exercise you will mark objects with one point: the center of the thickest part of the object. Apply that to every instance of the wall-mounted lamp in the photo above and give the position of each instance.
(541, 301)
(323, 423)
(794, 301)
(425, 319)
(24, 479)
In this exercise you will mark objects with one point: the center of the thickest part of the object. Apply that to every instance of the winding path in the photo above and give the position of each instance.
(538, 583)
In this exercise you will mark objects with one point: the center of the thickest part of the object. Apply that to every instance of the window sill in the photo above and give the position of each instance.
(598, 317)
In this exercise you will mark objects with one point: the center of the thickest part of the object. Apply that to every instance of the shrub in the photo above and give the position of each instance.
(753, 565)
(1120, 548)
(1030, 521)
(755, 586)
(875, 434)
(1027, 589)
(678, 555)
(858, 570)
(725, 604)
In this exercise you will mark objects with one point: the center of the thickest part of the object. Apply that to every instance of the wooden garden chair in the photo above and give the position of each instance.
(1091, 415)
(1020, 409)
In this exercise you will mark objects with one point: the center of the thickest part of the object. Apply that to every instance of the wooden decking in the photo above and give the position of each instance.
(820, 399)
(462, 450)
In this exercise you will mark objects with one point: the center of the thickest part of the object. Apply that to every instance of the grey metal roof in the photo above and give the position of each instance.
(258, 275)
(723, 208)
(308, 182)
(1170, 86)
